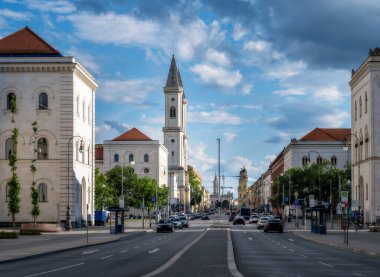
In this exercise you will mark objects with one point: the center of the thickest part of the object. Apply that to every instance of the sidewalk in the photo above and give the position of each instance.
(26, 246)
(362, 241)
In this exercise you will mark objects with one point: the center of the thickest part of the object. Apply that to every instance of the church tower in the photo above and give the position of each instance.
(216, 187)
(243, 188)
(175, 139)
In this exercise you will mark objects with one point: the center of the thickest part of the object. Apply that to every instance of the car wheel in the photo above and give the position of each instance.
(266, 231)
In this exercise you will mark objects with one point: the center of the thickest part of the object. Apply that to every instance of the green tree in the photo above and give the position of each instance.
(103, 192)
(34, 191)
(196, 189)
(13, 184)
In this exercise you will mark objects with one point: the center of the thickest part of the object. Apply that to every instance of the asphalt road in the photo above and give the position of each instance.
(199, 251)
(274, 254)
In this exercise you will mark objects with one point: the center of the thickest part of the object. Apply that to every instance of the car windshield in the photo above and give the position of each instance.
(175, 219)
(182, 218)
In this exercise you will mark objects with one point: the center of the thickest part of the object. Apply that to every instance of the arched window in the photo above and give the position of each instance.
(360, 106)
(366, 148)
(9, 148)
(89, 113)
(146, 170)
(131, 158)
(88, 154)
(43, 101)
(304, 161)
(333, 160)
(10, 97)
(116, 158)
(78, 105)
(356, 111)
(84, 109)
(319, 160)
(42, 149)
(172, 112)
(146, 158)
(42, 192)
(365, 103)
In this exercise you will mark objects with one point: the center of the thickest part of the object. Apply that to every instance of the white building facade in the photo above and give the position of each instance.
(147, 157)
(365, 122)
(59, 94)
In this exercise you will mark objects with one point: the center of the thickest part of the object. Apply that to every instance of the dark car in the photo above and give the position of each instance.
(205, 216)
(239, 220)
(274, 225)
(185, 222)
(165, 225)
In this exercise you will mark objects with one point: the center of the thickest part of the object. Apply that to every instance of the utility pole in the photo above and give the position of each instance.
(219, 180)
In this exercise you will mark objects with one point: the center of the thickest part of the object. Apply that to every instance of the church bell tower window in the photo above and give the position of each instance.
(172, 112)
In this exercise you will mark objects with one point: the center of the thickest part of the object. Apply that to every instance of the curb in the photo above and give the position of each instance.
(336, 246)
(66, 249)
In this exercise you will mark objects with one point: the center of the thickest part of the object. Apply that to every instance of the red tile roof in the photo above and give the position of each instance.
(132, 135)
(26, 42)
(326, 134)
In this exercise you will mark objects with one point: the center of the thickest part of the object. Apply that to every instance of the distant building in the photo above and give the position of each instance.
(58, 93)
(365, 123)
(243, 197)
(133, 148)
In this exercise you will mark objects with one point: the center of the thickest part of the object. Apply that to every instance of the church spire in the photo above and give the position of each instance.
(174, 77)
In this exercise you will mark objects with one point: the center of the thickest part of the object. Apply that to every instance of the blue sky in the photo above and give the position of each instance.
(256, 73)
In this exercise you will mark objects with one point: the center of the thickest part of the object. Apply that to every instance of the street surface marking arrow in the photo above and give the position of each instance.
(291, 239)
(155, 250)
(250, 238)
(89, 252)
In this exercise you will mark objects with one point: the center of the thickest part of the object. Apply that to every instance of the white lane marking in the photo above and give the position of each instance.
(89, 252)
(105, 257)
(137, 246)
(325, 264)
(304, 256)
(279, 244)
(154, 250)
(357, 274)
(244, 232)
(124, 251)
(291, 239)
(145, 244)
(250, 238)
(284, 246)
(54, 270)
(291, 250)
(273, 241)
(174, 258)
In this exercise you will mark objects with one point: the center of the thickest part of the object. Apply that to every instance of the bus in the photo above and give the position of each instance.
(245, 212)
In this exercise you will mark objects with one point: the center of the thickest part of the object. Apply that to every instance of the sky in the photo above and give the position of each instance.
(256, 73)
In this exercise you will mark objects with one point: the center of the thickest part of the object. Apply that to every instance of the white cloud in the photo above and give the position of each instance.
(14, 15)
(258, 46)
(290, 92)
(217, 57)
(210, 74)
(329, 94)
(199, 158)
(335, 119)
(229, 136)
(284, 70)
(105, 132)
(58, 6)
(214, 117)
(134, 91)
(238, 162)
(238, 32)
(246, 90)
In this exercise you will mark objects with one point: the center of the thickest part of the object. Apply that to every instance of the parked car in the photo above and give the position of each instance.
(261, 223)
(205, 216)
(176, 222)
(274, 225)
(190, 216)
(239, 220)
(165, 225)
(197, 215)
(253, 219)
(185, 222)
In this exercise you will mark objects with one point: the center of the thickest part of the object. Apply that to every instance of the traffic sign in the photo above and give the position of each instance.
(153, 199)
(344, 196)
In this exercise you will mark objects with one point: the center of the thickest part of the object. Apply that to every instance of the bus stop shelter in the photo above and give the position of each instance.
(318, 220)
(117, 227)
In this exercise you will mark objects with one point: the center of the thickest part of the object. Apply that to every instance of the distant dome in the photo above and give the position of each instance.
(243, 171)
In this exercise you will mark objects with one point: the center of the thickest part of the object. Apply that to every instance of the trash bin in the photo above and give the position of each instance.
(119, 228)
(322, 229)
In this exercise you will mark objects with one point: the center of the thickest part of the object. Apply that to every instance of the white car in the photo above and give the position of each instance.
(253, 219)
(261, 223)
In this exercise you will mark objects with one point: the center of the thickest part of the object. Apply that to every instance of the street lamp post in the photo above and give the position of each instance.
(157, 184)
(68, 226)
